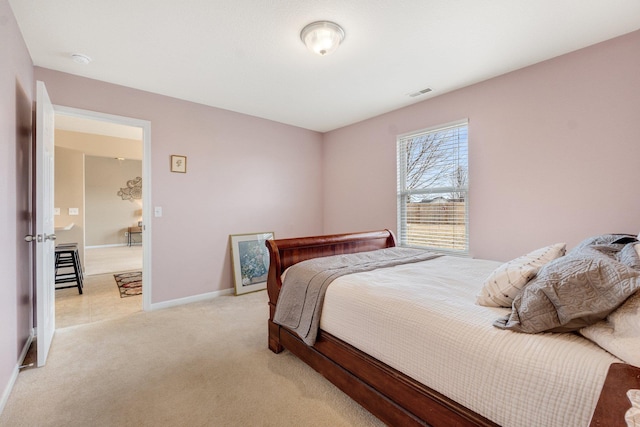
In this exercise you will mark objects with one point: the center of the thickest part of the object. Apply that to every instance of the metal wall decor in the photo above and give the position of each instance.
(133, 190)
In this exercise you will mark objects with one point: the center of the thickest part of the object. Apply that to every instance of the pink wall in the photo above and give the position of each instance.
(16, 96)
(554, 154)
(244, 175)
(553, 157)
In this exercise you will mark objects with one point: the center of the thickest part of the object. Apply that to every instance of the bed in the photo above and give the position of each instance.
(400, 397)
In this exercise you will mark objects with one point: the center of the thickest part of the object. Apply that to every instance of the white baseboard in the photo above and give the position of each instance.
(189, 300)
(14, 375)
(8, 388)
(106, 246)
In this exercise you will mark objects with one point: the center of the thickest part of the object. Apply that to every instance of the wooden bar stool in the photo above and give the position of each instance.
(68, 268)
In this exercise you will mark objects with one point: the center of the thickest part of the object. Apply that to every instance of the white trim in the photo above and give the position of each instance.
(103, 117)
(14, 375)
(147, 288)
(106, 246)
(189, 300)
(146, 216)
(9, 388)
(432, 128)
(404, 194)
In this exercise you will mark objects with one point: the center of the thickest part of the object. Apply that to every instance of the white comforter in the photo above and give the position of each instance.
(422, 320)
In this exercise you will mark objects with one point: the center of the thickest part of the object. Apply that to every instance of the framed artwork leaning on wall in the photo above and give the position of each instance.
(250, 261)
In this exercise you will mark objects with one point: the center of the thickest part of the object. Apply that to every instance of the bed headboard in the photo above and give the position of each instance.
(284, 253)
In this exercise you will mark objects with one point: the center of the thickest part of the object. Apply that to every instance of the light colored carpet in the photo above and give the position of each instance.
(202, 364)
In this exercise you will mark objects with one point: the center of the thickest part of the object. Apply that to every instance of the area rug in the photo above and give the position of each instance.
(129, 284)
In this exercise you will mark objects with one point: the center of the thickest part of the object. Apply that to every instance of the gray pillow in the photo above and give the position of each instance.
(604, 239)
(572, 292)
(629, 256)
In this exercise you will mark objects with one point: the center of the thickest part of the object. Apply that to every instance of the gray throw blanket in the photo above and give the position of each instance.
(305, 284)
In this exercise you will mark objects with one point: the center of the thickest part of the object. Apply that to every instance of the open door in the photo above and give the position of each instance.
(44, 228)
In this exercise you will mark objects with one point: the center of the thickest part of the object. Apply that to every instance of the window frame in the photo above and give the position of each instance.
(403, 192)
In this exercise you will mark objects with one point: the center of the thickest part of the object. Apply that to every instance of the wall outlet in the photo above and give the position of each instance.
(74, 211)
(126, 234)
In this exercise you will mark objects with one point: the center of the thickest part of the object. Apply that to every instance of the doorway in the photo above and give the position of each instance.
(109, 148)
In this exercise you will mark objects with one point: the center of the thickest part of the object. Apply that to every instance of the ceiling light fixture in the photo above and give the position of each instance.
(80, 58)
(322, 37)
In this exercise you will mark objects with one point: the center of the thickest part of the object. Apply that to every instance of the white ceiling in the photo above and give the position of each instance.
(127, 142)
(84, 125)
(246, 55)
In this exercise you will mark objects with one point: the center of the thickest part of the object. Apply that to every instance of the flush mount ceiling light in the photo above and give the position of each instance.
(322, 37)
(80, 58)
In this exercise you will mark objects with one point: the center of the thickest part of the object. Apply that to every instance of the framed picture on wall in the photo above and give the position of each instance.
(250, 261)
(178, 164)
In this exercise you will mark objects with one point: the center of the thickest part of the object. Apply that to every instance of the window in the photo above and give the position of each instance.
(433, 189)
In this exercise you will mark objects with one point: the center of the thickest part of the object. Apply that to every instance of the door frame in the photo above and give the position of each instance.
(146, 188)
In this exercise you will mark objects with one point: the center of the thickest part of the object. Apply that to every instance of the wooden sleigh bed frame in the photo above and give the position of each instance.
(391, 396)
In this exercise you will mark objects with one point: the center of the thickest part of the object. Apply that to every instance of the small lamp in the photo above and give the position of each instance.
(322, 37)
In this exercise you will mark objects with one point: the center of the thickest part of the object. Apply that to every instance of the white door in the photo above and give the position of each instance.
(44, 232)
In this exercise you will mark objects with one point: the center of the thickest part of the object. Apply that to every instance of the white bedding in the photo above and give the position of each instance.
(419, 320)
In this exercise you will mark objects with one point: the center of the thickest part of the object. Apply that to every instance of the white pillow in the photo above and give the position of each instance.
(632, 416)
(504, 283)
(619, 333)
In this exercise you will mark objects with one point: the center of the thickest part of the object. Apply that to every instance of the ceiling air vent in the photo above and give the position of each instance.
(420, 92)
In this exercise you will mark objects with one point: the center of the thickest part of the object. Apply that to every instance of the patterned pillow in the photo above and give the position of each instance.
(619, 333)
(571, 293)
(604, 239)
(630, 256)
(504, 283)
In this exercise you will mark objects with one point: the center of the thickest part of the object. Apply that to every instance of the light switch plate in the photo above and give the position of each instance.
(74, 211)
(56, 211)
(157, 211)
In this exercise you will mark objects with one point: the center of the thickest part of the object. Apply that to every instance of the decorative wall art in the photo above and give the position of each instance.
(250, 261)
(179, 164)
(133, 190)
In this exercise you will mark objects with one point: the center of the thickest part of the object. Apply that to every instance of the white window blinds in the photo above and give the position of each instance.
(433, 188)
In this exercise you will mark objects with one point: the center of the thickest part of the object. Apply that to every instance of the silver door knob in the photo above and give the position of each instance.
(30, 238)
(49, 236)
